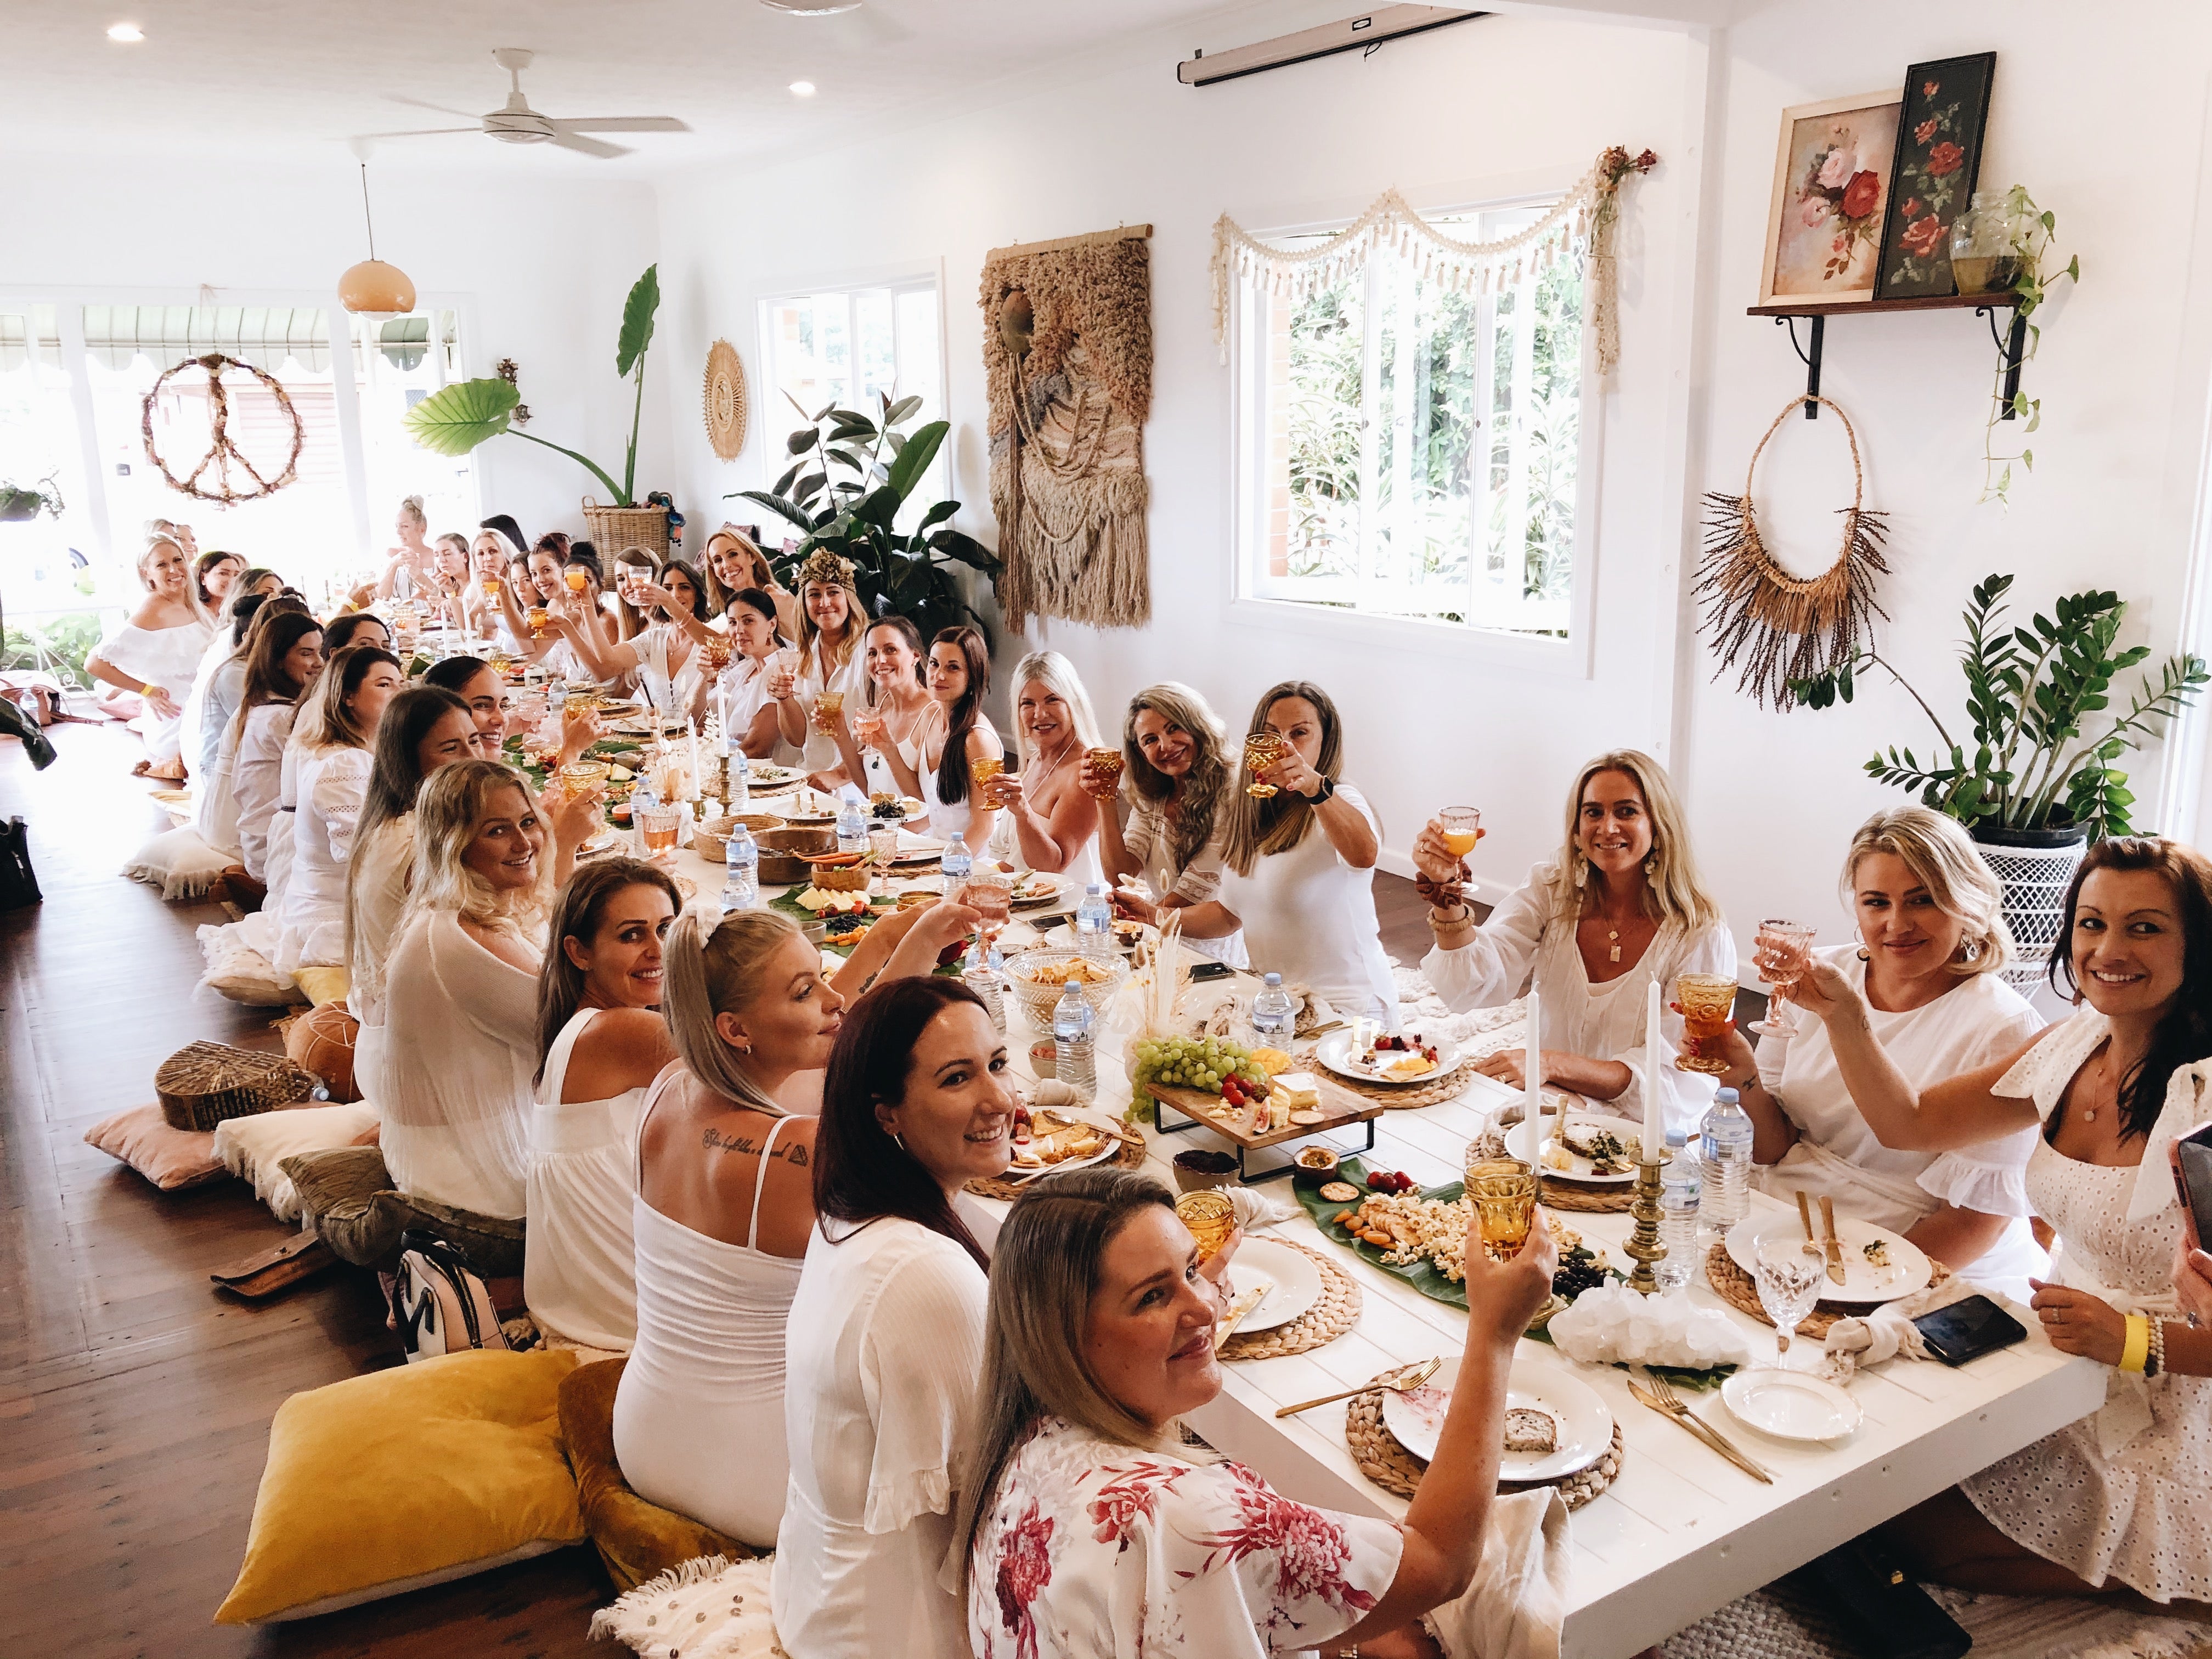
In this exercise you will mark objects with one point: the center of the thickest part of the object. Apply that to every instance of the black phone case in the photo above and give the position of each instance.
(1995, 1328)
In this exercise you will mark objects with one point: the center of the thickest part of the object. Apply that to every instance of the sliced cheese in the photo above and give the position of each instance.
(1299, 1091)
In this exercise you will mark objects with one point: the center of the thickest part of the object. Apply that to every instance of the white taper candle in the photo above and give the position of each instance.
(1655, 1119)
(1531, 1074)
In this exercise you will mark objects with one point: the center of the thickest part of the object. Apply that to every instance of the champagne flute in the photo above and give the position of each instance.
(1788, 1285)
(1785, 953)
(1262, 750)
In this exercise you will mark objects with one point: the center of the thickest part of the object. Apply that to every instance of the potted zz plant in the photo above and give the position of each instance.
(2036, 783)
(455, 419)
(849, 477)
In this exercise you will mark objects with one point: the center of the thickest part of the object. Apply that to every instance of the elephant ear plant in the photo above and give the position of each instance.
(456, 419)
(850, 475)
(2035, 766)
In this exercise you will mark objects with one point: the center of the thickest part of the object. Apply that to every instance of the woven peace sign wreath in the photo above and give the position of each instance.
(1785, 626)
(221, 451)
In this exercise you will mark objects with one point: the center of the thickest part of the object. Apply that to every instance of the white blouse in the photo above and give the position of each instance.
(331, 784)
(1150, 840)
(1528, 943)
(1310, 916)
(1979, 1020)
(820, 753)
(882, 1352)
(257, 767)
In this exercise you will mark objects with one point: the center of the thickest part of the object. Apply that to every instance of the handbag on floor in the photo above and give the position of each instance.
(439, 1305)
(19, 887)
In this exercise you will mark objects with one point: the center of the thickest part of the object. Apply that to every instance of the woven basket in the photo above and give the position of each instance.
(204, 1084)
(710, 837)
(614, 528)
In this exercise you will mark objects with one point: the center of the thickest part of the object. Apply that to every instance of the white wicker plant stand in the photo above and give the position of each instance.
(2035, 879)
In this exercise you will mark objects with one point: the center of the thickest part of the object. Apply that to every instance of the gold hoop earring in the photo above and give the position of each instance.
(1865, 954)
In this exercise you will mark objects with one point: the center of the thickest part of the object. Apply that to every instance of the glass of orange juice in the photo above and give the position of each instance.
(576, 579)
(1462, 828)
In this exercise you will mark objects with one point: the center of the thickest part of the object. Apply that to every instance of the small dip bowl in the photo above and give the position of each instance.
(1313, 1165)
(1195, 1171)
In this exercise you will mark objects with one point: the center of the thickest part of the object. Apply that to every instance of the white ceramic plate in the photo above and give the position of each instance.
(1628, 1132)
(1541, 1381)
(1790, 1405)
(1021, 1172)
(1335, 1052)
(1908, 1270)
(1035, 889)
(1296, 1285)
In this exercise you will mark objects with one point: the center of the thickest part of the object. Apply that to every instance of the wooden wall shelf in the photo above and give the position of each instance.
(2012, 343)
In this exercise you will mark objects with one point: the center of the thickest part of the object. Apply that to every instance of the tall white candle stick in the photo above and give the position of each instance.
(1654, 1120)
(1532, 1077)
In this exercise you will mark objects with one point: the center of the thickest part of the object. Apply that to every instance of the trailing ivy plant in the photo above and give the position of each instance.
(2031, 693)
(849, 477)
(2031, 289)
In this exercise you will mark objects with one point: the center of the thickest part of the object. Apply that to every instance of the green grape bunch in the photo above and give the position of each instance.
(1200, 1063)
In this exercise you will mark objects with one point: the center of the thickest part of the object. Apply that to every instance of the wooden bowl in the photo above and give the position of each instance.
(779, 864)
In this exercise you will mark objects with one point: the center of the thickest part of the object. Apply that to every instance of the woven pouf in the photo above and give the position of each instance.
(1734, 1286)
(1382, 1460)
(1131, 1157)
(1335, 1311)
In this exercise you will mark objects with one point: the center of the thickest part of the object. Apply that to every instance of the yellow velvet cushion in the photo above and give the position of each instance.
(404, 1478)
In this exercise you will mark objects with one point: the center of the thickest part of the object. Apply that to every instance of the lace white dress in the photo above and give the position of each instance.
(2126, 1493)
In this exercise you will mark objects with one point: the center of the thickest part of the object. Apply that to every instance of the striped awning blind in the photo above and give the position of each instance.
(265, 335)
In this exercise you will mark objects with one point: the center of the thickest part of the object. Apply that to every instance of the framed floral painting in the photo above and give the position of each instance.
(1939, 158)
(1830, 187)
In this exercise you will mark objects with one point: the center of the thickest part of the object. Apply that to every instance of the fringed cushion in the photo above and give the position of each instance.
(177, 862)
(711, 1607)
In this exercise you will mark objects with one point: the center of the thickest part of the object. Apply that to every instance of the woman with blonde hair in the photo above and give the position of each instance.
(732, 562)
(1924, 975)
(461, 993)
(666, 650)
(413, 556)
(1177, 774)
(1620, 906)
(156, 652)
(1048, 821)
(833, 617)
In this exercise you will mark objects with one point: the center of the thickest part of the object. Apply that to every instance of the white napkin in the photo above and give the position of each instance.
(1255, 1209)
(1612, 1323)
(1888, 1331)
(1518, 1600)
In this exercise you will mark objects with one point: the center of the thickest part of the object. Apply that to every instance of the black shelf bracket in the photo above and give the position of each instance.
(1811, 359)
(2012, 343)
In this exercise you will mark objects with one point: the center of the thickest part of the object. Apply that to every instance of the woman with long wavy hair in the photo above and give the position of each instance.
(833, 617)
(1176, 775)
(954, 733)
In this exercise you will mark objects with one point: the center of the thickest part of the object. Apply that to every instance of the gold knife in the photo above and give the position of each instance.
(1835, 1245)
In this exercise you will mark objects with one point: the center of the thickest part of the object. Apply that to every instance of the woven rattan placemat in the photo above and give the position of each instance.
(1734, 1287)
(1400, 1097)
(1382, 1460)
(1131, 1157)
(1335, 1311)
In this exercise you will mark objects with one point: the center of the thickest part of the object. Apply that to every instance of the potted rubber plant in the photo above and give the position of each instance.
(2036, 779)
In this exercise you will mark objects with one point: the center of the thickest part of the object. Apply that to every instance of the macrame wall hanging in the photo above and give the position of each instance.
(1067, 343)
(1582, 225)
(222, 454)
(1782, 627)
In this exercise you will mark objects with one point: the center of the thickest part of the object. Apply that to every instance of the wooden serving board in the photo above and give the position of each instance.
(1338, 1107)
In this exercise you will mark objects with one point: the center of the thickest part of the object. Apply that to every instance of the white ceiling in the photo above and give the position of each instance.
(264, 79)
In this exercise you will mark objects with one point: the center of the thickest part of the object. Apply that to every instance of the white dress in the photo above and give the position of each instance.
(884, 1350)
(1837, 1155)
(1310, 916)
(257, 769)
(700, 1409)
(378, 894)
(456, 1107)
(168, 657)
(214, 797)
(820, 752)
(577, 1275)
(201, 734)
(947, 818)
(1528, 943)
(332, 783)
(744, 690)
(2126, 1493)
(1148, 839)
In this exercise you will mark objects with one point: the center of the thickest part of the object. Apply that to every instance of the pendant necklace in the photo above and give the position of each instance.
(1612, 938)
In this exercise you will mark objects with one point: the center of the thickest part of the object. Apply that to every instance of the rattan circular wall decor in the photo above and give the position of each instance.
(725, 400)
(1786, 627)
(222, 454)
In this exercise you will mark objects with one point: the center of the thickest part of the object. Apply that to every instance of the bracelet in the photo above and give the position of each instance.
(2136, 1349)
(149, 688)
(1328, 788)
(1440, 918)
(2155, 1361)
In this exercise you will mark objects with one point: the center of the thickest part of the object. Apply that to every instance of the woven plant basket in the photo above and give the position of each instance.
(614, 528)
(204, 1084)
(2035, 871)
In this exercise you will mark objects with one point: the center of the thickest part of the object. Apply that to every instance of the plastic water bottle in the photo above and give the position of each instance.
(1072, 1059)
(557, 694)
(958, 864)
(985, 976)
(1725, 1145)
(852, 827)
(1094, 922)
(738, 774)
(1679, 1186)
(741, 881)
(1272, 1014)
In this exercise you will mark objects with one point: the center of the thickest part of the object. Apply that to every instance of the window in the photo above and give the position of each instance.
(397, 363)
(48, 586)
(1412, 451)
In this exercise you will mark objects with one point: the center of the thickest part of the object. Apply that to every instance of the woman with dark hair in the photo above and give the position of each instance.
(284, 655)
(355, 627)
(601, 1040)
(1298, 873)
(215, 576)
(1088, 1527)
(213, 700)
(2121, 1497)
(885, 1338)
(954, 733)
(672, 658)
(748, 710)
(1177, 774)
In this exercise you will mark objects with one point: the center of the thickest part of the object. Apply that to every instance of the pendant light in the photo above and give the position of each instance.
(373, 289)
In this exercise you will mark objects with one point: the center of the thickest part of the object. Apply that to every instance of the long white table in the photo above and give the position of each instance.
(1681, 1531)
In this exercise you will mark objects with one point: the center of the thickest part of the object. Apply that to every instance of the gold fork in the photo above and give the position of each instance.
(1408, 1378)
(1660, 1395)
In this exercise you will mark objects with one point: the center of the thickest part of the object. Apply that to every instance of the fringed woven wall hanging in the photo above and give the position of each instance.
(1582, 224)
(1068, 341)
(1783, 627)
(222, 454)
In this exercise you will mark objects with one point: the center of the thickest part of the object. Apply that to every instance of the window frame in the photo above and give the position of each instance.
(1572, 658)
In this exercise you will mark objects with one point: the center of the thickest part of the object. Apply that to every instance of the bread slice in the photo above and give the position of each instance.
(1528, 1429)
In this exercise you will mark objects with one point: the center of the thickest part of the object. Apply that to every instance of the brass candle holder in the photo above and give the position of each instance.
(1643, 1243)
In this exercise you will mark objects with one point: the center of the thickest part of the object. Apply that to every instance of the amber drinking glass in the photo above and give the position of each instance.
(1462, 828)
(537, 617)
(1706, 1001)
(1502, 1192)
(1102, 772)
(1262, 750)
(659, 824)
(1210, 1218)
(577, 579)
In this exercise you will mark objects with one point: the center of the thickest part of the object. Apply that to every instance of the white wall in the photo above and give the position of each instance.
(538, 269)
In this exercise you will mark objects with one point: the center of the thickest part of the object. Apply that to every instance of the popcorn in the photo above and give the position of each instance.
(1408, 1230)
(1614, 1325)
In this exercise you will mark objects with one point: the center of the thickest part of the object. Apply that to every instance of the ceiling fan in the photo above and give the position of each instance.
(515, 123)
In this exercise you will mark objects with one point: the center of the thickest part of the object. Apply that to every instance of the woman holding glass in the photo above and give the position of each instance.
(154, 654)
(828, 668)
(953, 740)
(750, 710)
(672, 658)
(731, 562)
(409, 569)
(1048, 821)
(877, 742)
(1178, 777)
(1298, 862)
(1620, 906)
(1924, 977)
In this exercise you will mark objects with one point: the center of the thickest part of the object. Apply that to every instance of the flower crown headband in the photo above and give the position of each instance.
(823, 566)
